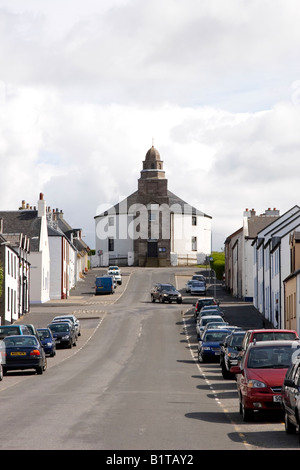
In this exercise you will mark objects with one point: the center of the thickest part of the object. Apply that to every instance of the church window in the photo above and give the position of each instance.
(152, 217)
(111, 244)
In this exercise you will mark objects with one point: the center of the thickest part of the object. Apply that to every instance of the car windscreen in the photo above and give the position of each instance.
(43, 334)
(20, 341)
(59, 327)
(214, 336)
(236, 340)
(206, 320)
(168, 288)
(11, 330)
(274, 335)
(271, 357)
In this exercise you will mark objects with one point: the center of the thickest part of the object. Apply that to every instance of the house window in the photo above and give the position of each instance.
(194, 220)
(194, 243)
(111, 244)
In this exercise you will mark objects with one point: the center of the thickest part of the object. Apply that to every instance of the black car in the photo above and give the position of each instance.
(23, 352)
(291, 398)
(165, 293)
(229, 352)
(64, 333)
(203, 302)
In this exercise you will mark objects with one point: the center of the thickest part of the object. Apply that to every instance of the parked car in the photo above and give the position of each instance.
(69, 321)
(116, 273)
(266, 335)
(209, 346)
(32, 329)
(188, 285)
(64, 334)
(22, 352)
(211, 310)
(198, 277)
(212, 324)
(201, 303)
(261, 373)
(113, 270)
(9, 330)
(291, 398)
(229, 352)
(198, 288)
(204, 320)
(47, 341)
(104, 285)
(165, 293)
(73, 319)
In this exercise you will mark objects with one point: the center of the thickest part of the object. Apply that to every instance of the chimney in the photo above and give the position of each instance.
(41, 206)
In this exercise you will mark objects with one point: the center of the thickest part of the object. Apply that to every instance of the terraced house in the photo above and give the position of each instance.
(42, 258)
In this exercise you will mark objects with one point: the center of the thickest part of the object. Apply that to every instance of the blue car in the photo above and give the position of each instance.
(209, 347)
(47, 341)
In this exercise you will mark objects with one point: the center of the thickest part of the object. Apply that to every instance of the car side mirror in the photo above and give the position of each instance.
(290, 383)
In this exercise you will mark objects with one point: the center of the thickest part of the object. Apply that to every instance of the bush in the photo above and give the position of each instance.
(218, 264)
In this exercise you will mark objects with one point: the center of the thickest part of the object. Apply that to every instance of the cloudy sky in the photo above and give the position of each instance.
(85, 87)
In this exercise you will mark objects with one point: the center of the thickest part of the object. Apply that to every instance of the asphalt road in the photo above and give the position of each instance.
(133, 381)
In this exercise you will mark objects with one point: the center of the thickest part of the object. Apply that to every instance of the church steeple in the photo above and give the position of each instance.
(152, 165)
(153, 180)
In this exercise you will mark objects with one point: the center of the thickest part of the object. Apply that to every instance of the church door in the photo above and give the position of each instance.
(152, 250)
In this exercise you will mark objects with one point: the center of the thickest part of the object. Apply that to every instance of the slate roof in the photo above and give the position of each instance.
(23, 221)
(179, 205)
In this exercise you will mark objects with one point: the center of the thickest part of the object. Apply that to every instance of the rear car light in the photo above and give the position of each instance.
(35, 352)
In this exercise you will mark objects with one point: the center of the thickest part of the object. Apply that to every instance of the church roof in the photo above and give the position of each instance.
(176, 204)
(152, 154)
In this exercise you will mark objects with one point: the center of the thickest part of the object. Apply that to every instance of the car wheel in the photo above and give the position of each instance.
(179, 301)
(288, 426)
(225, 373)
(152, 298)
(200, 358)
(247, 413)
(39, 370)
(1, 372)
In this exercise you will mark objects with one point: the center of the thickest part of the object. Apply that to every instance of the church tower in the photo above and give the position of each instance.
(153, 193)
(153, 183)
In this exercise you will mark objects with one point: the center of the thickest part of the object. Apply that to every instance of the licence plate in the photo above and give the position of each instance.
(18, 353)
(277, 398)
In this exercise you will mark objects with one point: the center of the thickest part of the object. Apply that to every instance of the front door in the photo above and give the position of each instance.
(152, 249)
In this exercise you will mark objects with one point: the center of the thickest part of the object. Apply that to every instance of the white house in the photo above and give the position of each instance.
(152, 226)
(32, 222)
(14, 297)
(272, 264)
(239, 253)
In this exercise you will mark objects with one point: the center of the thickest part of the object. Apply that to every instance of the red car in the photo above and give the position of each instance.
(261, 373)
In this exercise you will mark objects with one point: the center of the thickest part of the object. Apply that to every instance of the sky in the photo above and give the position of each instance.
(86, 88)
